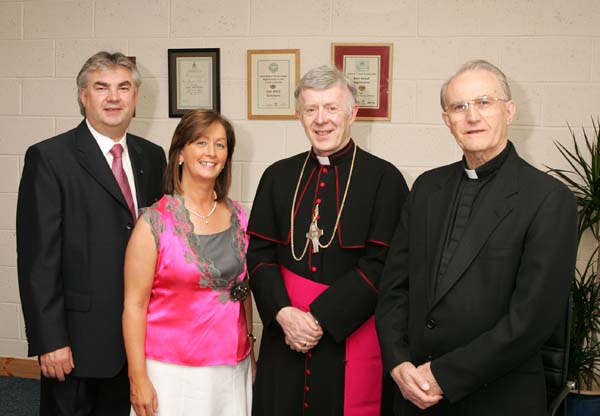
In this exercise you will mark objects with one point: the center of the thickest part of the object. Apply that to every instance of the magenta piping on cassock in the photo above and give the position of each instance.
(363, 371)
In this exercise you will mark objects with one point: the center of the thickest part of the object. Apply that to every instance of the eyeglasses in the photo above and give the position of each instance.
(482, 104)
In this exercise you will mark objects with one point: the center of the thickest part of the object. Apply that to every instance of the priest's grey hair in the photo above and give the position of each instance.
(478, 65)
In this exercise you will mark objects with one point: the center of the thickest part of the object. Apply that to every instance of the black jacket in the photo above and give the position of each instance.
(73, 225)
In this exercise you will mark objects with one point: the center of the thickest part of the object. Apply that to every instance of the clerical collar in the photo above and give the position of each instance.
(342, 155)
(323, 160)
(489, 167)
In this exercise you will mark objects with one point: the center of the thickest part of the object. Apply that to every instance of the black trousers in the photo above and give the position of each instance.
(77, 396)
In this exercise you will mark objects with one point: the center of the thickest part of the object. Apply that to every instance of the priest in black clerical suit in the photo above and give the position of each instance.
(480, 267)
(320, 229)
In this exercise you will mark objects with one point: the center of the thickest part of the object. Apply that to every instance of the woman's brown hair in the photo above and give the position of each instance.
(191, 126)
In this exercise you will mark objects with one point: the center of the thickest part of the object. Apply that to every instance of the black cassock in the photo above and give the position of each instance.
(288, 382)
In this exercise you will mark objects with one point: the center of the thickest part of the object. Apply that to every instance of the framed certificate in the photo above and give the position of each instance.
(272, 78)
(370, 67)
(193, 80)
(134, 60)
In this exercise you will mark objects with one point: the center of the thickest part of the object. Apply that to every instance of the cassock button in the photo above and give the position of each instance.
(430, 324)
(305, 405)
(325, 170)
(322, 184)
(306, 388)
(313, 269)
(318, 200)
(307, 372)
(309, 354)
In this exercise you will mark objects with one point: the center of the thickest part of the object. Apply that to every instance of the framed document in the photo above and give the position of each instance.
(193, 80)
(272, 78)
(369, 65)
(134, 60)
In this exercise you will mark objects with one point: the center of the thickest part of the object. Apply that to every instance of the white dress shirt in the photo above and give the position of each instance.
(106, 143)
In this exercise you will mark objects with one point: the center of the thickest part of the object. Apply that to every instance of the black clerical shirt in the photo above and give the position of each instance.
(471, 191)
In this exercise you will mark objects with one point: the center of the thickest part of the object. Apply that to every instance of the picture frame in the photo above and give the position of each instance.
(272, 78)
(369, 65)
(194, 80)
(134, 60)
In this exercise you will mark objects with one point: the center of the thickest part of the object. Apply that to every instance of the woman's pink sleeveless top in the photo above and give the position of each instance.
(192, 319)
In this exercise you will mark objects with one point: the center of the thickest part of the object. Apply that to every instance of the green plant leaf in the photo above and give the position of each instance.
(584, 181)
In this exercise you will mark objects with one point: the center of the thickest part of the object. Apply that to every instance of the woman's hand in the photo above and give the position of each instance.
(253, 366)
(143, 397)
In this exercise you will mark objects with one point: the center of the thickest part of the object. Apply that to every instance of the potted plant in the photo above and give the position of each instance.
(583, 178)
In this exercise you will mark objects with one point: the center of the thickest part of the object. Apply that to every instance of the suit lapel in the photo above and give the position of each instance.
(137, 165)
(93, 161)
(439, 212)
(492, 210)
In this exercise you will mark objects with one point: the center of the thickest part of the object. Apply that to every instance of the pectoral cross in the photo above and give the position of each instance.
(314, 232)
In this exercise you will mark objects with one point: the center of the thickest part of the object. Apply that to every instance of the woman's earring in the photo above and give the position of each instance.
(180, 162)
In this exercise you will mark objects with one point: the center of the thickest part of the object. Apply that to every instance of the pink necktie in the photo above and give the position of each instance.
(117, 169)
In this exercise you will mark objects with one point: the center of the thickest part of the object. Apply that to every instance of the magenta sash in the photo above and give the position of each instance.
(363, 375)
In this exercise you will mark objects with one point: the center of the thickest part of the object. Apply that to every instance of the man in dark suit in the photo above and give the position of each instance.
(79, 196)
(479, 271)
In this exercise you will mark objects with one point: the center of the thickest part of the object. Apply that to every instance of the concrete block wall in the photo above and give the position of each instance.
(550, 50)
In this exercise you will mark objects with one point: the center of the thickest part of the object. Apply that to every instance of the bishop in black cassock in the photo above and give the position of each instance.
(337, 283)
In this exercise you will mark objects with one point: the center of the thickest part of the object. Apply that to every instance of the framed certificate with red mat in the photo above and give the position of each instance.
(369, 65)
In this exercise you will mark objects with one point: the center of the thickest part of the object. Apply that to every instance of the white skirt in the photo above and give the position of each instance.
(223, 390)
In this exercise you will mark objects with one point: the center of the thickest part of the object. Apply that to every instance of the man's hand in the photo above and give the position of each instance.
(302, 331)
(434, 387)
(57, 364)
(414, 386)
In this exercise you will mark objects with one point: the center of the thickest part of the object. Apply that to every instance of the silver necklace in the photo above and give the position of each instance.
(205, 217)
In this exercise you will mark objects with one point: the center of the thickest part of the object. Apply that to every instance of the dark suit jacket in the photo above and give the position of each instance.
(73, 225)
(503, 294)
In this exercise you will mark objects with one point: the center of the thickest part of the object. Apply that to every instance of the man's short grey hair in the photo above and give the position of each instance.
(478, 65)
(322, 78)
(101, 61)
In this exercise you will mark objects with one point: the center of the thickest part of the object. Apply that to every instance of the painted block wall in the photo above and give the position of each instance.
(550, 50)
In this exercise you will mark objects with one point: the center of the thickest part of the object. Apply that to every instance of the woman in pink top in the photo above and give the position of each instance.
(187, 311)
